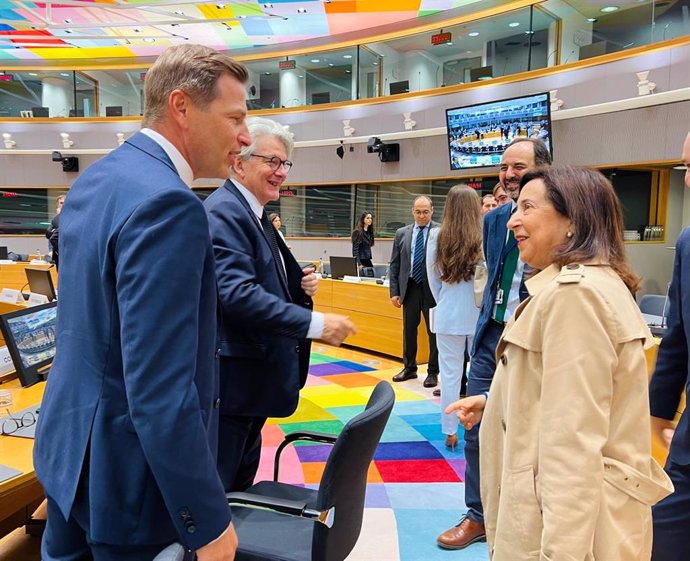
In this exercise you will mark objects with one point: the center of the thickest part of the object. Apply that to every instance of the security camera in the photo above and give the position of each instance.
(57, 157)
(374, 145)
(69, 163)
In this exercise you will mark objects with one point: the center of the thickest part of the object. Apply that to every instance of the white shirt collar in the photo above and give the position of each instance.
(254, 203)
(183, 168)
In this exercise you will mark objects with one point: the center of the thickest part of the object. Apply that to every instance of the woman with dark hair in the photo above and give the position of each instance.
(274, 217)
(363, 239)
(565, 441)
(453, 251)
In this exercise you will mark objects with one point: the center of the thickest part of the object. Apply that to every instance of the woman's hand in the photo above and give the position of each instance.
(469, 410)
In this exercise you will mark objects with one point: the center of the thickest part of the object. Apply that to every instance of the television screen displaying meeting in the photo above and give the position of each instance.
(30, 337)
(479, 134)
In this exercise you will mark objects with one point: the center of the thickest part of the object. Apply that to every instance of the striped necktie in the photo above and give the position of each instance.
(418, 265)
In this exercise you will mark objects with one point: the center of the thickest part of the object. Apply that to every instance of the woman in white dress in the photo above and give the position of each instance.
(453, 252)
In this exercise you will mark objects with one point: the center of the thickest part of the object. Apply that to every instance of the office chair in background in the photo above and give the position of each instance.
(322, 524)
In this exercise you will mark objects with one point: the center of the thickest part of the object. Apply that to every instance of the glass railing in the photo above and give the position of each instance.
(543, 35)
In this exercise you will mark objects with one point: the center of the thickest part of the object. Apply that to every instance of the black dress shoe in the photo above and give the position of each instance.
(431, 381)
(437, 392)
(405, 375)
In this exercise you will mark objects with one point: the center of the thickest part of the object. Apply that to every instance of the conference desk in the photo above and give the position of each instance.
(379, 324)
(20, 495)
(14, 276)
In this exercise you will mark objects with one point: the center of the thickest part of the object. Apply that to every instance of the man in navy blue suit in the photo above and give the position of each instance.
(672, 376)
(267, 320)
(503, 292)
(126, 439)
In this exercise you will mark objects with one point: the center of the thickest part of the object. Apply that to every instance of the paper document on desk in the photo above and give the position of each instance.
(8, 473)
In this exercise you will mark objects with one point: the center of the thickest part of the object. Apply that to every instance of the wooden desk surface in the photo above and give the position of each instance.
(14, 276)
(17, 453)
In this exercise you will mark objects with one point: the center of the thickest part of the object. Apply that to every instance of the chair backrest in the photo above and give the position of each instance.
(380, 271)
(344, 480)
(174, 552)
(655, 304)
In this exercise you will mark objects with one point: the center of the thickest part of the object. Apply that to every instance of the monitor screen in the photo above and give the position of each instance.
(31, 340)
(320, 97)
(478, 134)
(400, 87)
(481, 73)
(40, 112)
(3, 252)
(113, 111)
(341, 266)
(40, 282)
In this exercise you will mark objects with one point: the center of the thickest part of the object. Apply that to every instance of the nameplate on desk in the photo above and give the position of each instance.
(38, 262)
(36, 299)
(11, 296)
(350, 278)
(7, 262)
(6, 364)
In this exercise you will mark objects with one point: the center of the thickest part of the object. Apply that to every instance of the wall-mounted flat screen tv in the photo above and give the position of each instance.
(479, 134)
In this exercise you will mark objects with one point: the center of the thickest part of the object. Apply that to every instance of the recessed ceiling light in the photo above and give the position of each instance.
(514, 24)
(267, 73)
(375, 63)
(449, 43)
(149, 40)
(469, 52)
(65, 74)
(315, 60)
(347, 56)
(32, 74)
(331, 64)
(300, 75)
(529, 32)
(609, 9)
(592, 20)
(473, 34)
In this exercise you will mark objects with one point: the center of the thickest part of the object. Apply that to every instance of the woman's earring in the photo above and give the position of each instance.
(569, 235)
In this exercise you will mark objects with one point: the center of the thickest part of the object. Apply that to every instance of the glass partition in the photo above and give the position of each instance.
(547, 34)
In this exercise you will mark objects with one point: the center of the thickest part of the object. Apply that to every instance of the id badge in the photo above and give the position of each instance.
(499, 297)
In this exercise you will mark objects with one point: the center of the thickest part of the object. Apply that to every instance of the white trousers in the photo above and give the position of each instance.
(451, 355)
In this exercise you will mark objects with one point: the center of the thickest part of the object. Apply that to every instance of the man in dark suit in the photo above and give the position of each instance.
(409, 288)
(672, 376)
(126, 439)
(53, 232)
(266, 303)
(504, 291)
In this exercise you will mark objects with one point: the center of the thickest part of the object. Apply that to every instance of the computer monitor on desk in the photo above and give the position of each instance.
(41, 282)
(30, 337)
(341, 266)
(4, 255)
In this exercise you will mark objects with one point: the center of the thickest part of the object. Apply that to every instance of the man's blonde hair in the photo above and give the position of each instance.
(194, 69)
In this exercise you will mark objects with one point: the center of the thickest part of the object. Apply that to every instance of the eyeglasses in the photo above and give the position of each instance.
(11, 424)
(274, 162)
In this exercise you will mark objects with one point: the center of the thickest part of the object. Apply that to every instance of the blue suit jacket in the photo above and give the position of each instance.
(132, 394)
(264, 350)
(494, 231)
(672, 373)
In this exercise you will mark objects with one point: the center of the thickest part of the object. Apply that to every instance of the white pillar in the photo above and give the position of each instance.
(56, 94)
(292, 88)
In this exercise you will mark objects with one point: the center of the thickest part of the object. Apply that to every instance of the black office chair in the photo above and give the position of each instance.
(322, 524)
(380, 271)
(655, 305)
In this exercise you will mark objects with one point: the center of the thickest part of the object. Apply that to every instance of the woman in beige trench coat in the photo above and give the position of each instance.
(565, 457)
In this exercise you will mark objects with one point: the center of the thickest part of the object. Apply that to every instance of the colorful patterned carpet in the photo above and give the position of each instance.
(415, 488)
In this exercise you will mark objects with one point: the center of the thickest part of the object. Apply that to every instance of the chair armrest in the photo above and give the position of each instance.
(308, 436)
(288, 507)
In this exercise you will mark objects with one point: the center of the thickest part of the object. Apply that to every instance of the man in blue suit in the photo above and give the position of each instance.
(504, 291)
(126, 439)
(267, 320)
(672, 376)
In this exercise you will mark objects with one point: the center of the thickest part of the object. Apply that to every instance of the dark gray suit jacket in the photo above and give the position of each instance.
(401, 263)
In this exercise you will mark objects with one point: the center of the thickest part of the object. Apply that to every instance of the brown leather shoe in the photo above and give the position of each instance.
(465, 533)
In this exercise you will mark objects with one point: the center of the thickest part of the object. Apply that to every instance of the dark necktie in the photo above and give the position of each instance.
(270, 232)
(510, 259)
(418, 266)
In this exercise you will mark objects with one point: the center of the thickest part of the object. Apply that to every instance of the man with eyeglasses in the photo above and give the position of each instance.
(409, 288)
(267, 319)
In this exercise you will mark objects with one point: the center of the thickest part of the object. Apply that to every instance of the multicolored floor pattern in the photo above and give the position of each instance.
(415, 488)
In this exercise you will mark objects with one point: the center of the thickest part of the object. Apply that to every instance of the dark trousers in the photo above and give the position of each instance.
(239, 450)
(413, 307)
(672, 518)
(482, 370)
(67, 540)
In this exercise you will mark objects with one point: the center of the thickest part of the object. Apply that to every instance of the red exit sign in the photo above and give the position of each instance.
(287, 64)
(142, 76)
(8, 194)
(441, 38)
(6, 77)
(474, 184)
(288, 193)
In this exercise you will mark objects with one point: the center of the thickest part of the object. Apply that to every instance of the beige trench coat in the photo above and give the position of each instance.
(565, 445)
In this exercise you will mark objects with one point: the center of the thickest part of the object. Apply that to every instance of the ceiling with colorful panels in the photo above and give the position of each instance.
(89, 29)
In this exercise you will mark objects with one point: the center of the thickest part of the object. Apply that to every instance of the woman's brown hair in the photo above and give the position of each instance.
(587, 198)
(459, 245)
